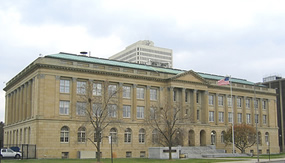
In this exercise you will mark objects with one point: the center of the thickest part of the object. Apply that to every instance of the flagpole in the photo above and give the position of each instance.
(233, 125)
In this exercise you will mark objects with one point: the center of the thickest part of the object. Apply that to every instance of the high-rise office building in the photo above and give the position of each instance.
(144, 52)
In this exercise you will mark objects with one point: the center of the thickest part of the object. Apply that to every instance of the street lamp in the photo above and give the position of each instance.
(268, 144)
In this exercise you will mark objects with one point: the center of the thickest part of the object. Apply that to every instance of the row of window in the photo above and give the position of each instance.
(239, 117)
(81, 135)
(112, 89)
(239, 102)
(64, 107)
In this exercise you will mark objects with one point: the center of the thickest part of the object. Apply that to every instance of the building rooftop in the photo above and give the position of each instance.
(97, 60)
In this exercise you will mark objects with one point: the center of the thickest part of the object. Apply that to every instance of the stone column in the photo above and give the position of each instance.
(72, 104)
(183, 105)
(243, 106)
(120, 101)
(134, 103)
(204, 112)
(216, 113)
(24, 101)
(147, 100)
(194, 106)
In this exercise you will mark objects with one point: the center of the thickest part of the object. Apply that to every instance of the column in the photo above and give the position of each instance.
(24, 101)
(183, 107)
(134, 103)
(205, 108)
(17, 105)
(234, 103)
(147, 100)
(260, 112)
(72, 103)
(243, 106)
(216, 114)
(21, 103)
(120, 101)
(226, 120)
(194, 106)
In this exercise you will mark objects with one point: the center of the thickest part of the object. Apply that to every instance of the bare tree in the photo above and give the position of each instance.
(245, 136)
(101, 109)
(165, 122)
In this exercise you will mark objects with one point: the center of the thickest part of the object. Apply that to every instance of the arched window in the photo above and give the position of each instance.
(64, 134)
(128, 135)
(113, 134)
(81, 135)
(141, 135)
(267, 137)
(155, 136)
(213, 137)
(223, 137)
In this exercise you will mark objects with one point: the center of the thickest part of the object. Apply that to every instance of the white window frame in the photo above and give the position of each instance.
(81, 87)
(81, 135)
(211, 99)
(126, 111)
(239, 117)
(140, 93)
(140, 112)
(64, 134)
(230, 117)
(64, 107)
(248, 118)
(128, 136)
(97, 89)
(112, 110)
(264, 118)
(221, 116)
(64, 86)
(97, 109)
(126, 92)
(239, 102)
(112, 89)
(211, 116)
(81, 108)
(153, 94)
(220, 100)
(142, 136)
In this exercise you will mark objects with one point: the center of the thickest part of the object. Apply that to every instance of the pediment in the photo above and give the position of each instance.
(189, 76)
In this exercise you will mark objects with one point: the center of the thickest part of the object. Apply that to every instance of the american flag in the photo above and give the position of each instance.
(224, 81)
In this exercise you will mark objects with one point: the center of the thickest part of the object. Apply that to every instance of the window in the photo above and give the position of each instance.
(264, 104)
(141, 135)
(255, 104)
(152, 113)
(248, 118)
(81, 87)
(140, 112)
(230, 102)
(211, 116)
(198, 115)
(128, 135)
(142, 154)
(80, 108)
(153, 94)
(220, 100)
(113, 134)
(112, 110)
(256, 118)
(97, 109)
(97, 137)
(239, 102)
(239, 117)
(186, 96)
(266, 137)
(112, 90)
(221, 116)
(264, 117)
(126, 92)
(64, 107)
(81, 135)
(230, 116)
(140, 93)
(174, 95)
(259, 138)
(128, 154)
(197, 98)
(155, 136)
(126, 111)
(97, 89)
(64, 134)
(64, 86)
(211, 100)
(247, 103)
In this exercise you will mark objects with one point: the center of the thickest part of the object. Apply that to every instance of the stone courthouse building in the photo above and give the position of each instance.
(42, 100)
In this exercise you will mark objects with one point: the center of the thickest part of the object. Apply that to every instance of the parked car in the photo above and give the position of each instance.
(5, 153)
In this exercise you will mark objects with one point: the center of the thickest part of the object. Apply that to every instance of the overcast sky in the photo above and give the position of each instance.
(242, 38)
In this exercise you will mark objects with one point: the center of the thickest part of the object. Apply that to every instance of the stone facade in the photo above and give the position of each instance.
(41, 106)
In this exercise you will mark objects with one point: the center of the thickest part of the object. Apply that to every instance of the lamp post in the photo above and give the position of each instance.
(268, 144)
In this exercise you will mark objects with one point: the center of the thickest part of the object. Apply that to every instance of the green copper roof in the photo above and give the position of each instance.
(95, 60)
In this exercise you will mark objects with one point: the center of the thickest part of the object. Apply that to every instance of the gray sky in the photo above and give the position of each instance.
(241, 38)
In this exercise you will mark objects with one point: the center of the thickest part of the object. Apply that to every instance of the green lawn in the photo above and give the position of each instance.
(117, 160)
(137, 160)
